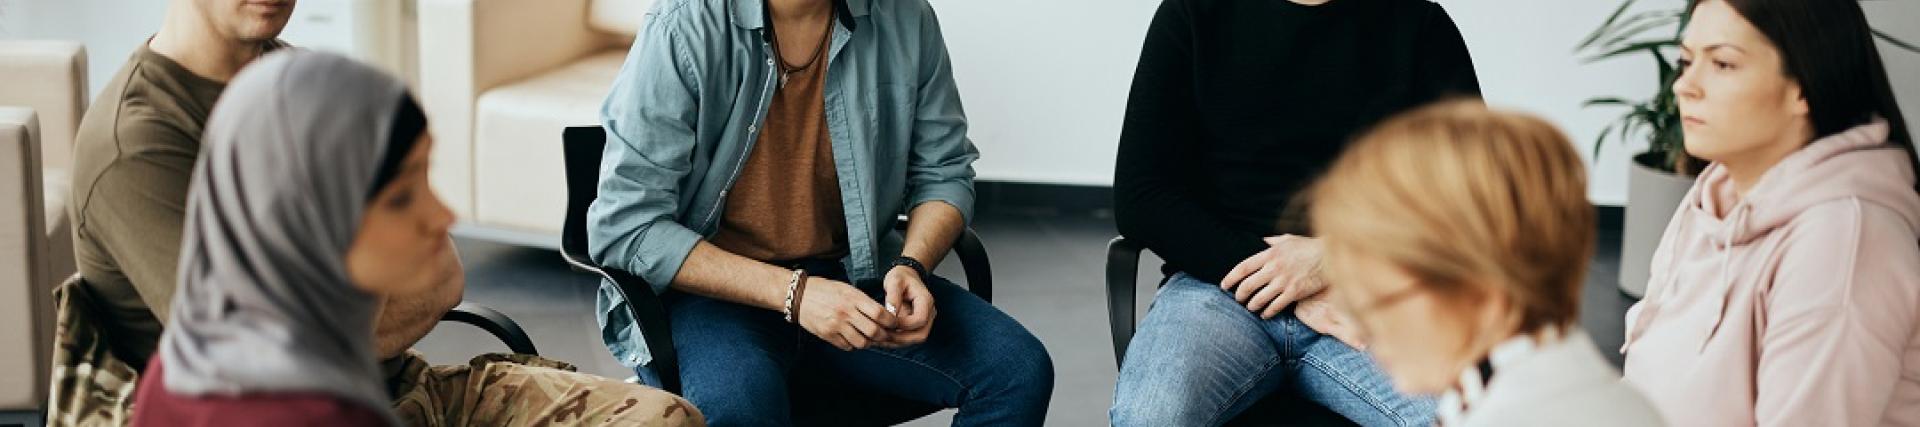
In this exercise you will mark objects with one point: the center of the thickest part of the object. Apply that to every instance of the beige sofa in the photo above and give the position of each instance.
(42, 96)
(500, 80)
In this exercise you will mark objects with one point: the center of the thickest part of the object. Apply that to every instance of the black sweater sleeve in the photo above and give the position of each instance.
(1445, 64)
(1158, 154)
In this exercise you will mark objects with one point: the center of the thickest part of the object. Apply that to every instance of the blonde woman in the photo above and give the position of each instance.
(1457, 242)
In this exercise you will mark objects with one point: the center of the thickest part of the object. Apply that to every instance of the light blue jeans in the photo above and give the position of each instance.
(1200, 358)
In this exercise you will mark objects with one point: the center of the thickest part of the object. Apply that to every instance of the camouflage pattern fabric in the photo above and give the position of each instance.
(524, 390)
(90, 386)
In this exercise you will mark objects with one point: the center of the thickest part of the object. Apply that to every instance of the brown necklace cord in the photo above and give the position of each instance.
(787, 69)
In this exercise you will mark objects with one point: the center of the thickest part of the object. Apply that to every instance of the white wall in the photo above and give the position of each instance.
(1045, 82)
(111, 29)
(1900, 19)
(1523, 51)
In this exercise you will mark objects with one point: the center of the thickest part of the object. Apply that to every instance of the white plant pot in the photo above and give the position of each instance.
(1652, 197)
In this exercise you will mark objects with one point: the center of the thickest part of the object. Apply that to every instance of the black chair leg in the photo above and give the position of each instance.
(659, 337)
(973, 258)
(1123, 263)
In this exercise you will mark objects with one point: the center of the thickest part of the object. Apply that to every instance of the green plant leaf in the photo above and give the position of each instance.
(1628, 124)
(1890, 39)
(1670, 141)
(1605, 101)
(1667, 71)
(1625, 121)
(1601, 140)
(1600, 32)
(1640, 25)
(1634, 47)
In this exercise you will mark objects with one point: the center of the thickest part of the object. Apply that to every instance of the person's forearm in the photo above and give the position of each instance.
(932, 228)
(715, 273)
(138, 214)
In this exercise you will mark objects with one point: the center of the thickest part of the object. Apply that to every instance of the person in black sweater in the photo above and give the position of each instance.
(1236, 106)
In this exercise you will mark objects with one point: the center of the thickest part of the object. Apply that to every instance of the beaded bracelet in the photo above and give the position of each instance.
(793, 285)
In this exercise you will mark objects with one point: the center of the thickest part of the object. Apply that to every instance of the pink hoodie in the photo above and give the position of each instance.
(1797, 308)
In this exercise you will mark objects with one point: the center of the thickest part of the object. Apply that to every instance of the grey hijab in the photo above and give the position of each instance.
(265, 303)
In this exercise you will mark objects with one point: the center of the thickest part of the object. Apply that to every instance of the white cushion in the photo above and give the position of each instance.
(518, 168)
(620, 17)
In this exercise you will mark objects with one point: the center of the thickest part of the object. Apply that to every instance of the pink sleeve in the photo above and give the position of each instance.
(1837, 319)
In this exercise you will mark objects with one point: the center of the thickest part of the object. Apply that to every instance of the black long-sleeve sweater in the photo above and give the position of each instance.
(1237, 105)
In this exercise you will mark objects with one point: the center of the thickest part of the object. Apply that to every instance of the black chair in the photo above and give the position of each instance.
(493, 322)
(1279, 409)
(502, 327)
(583, 148)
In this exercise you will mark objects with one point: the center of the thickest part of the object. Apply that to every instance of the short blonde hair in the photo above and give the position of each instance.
(1470, 201)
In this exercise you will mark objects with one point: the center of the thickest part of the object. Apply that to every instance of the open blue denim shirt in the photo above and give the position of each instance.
(686, 108)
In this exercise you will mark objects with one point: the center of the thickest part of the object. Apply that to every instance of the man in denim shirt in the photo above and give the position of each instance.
(759, 154)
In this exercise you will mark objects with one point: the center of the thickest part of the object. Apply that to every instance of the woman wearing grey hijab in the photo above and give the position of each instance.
(309, 204)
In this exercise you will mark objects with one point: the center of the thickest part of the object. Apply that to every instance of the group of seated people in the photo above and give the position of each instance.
(1342, 220)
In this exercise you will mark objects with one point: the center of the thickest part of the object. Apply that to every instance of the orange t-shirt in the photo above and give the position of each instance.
(785, 205)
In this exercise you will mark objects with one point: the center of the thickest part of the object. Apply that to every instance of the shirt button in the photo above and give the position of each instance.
(769, 62)
(752, 129)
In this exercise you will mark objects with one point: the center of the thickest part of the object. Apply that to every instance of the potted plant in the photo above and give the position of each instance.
(1660, 176)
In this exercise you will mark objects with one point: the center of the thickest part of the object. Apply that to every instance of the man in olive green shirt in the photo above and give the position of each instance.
(134, 155)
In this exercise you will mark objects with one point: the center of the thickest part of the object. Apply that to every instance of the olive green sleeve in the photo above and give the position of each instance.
(137, 206)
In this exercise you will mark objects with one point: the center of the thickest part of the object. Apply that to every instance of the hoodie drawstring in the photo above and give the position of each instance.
(1651, 305)
(1740, 217)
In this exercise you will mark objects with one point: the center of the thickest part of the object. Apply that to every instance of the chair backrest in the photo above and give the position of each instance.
(24, 263)
(583, 147)
(50, 77)
(582, 151)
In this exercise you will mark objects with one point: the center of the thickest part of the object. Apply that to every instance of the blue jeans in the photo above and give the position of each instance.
(1201, 356)
(739, 364)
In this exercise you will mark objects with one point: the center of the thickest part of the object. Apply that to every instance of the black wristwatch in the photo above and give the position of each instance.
(913, 264)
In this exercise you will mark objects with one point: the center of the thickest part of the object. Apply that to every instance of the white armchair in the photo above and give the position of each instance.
(42, 96)
(500, 80)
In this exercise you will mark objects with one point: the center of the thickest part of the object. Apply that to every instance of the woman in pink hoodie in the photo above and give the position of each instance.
(1786, 290)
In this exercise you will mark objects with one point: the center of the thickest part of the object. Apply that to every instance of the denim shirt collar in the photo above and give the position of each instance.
(751, 14)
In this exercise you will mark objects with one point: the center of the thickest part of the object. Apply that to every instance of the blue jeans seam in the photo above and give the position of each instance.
(965, 392)
(1286, 342)
(1355, 388)
(1221, 411)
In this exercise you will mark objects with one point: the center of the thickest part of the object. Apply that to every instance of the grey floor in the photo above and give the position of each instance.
(1047, 271)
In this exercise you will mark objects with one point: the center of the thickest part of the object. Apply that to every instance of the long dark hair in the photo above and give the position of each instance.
(1828, 48)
